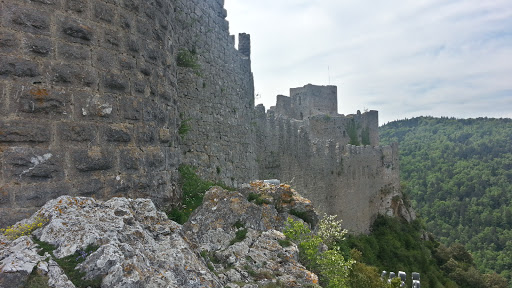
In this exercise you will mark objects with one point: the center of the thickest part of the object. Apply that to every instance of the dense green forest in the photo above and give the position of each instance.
(458, 175)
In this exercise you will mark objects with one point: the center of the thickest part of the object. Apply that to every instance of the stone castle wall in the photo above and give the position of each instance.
(216, 98)
(92, 100)
(315, 156)
(108, 98)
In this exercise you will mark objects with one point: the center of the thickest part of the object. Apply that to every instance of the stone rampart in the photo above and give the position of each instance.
(315, 155)
(108, 98)
(93, 101)
(215, 98)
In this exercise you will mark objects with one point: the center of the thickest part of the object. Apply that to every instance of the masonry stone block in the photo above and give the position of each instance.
(90, 187)
(72, 75)
(139, 87)
(47, 2)
(146, 134)
(72, 52)
(19, 67)
(6, 198)
(133, 45)
(37, 195)
(41, 101)
(131, 5)
(111, 39)
(23, 131)
(115, 83)
(117, 134)
(173, 158)
(28, 20)
(130, 108)
(94, 159)
(79, 6)
(9, 216)
(76, 31)
(154, 160)
(77, 132)
(9, 42)
(127, 63)
(130, 159)
(153, 112)
(104, 12)
(126, 21)
(96, 106)
(3, 99)
(33, 165)
(120, 186)
(106, 60)
(38, 46)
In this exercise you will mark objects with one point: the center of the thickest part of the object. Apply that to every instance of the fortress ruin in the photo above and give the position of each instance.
(108, 98)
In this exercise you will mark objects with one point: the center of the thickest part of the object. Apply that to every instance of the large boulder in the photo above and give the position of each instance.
(232, 240)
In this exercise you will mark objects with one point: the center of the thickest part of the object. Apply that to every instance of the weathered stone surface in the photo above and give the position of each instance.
(114, 63)
(140, 247)
(18, 67)
(65, 74)
(8, 42)
(16, 131)
(43, 101)
(74, 132)
(94, 159)
(213, 227)
(77, 32)
(73, 52)
(33, 165)
(39, 46)
(27, 20)
(114, 134)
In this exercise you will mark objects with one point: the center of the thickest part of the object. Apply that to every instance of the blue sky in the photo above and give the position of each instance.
(403, 58)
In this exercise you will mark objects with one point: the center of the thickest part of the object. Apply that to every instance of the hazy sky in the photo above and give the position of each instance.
(403, 58)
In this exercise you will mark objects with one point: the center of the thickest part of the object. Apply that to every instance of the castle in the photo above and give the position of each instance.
(108, 98)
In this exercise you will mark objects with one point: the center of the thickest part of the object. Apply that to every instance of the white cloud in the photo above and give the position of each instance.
(403, 58)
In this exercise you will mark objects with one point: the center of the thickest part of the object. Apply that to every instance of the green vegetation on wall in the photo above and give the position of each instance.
(459, 177)
(193, 188)
(188, 59)
(365, 136)
(352, 132)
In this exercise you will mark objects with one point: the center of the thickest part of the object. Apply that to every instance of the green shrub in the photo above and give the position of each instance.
(285, 243)
(36, 280)
(305, 216)
(193, 188)
(188, 59)
(239, 236)
(69, 263)
(258, 199)
(330, 265)
(352, 132)
(184, 128)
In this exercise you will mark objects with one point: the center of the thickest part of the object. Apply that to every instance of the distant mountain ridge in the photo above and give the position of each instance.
(458, 173)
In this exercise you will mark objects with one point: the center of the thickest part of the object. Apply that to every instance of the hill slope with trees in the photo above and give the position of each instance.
(458, 175)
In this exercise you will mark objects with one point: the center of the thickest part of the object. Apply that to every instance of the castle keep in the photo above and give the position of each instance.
(108, 98)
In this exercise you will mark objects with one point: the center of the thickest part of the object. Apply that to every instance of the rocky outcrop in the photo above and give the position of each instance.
(232, 240)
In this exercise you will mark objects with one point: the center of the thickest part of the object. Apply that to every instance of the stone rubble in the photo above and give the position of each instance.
(140, 247)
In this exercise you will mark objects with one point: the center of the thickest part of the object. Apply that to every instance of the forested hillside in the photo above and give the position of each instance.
(458, 175)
